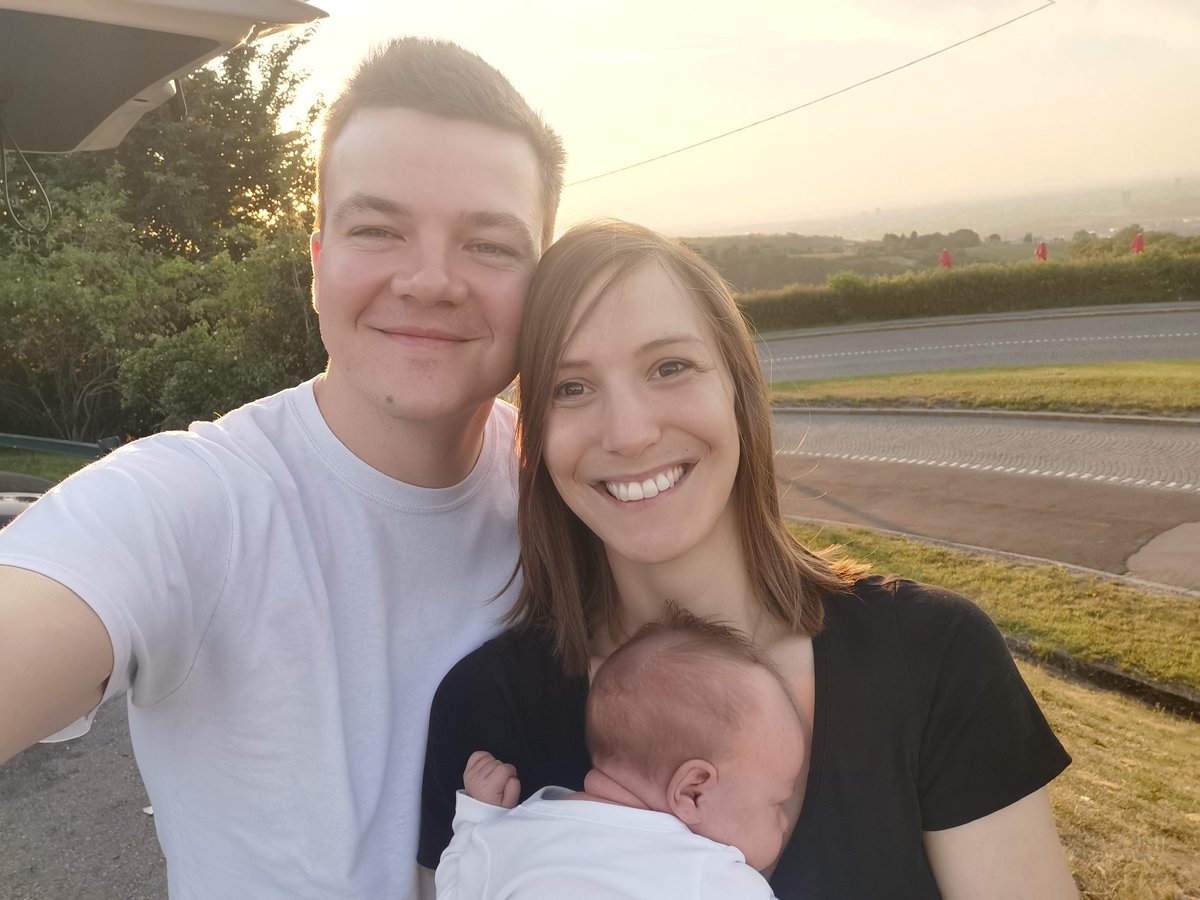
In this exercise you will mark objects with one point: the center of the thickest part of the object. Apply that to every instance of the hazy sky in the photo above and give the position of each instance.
(1085, 91)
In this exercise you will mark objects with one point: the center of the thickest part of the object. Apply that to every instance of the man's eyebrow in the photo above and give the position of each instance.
(361, 202)
(648, 347)
(484, 218)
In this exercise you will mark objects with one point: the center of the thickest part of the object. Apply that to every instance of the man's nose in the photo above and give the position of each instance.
(429, 275)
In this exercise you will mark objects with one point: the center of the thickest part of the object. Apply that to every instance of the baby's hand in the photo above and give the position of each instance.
(490, 781)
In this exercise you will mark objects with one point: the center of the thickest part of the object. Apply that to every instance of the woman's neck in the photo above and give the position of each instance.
(710, 580)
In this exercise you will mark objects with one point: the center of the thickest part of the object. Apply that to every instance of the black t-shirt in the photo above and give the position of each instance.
(922, 723)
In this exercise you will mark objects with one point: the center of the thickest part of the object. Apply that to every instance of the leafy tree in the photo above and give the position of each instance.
(993, 238)
(221, 176)
(182, 250)
(963, 237)
(72, 302)
(254, 334)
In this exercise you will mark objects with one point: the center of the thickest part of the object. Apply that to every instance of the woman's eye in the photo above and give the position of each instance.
(569, 390)
(671, 367)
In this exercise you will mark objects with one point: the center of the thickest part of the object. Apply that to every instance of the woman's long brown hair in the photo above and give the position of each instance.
(568, 590)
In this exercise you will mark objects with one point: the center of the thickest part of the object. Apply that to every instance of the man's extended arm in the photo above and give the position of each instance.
(55, 658)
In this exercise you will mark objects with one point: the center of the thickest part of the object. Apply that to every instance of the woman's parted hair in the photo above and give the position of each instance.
(568, 590)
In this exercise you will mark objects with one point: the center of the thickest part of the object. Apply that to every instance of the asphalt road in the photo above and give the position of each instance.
(1163, 331)
(1119, 497)
(1115, 497)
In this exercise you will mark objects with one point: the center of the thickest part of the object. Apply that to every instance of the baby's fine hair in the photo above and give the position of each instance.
(677, 690)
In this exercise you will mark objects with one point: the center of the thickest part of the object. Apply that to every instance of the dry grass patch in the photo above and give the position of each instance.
(1147, 635)
(1128, 808)
(1130, 388)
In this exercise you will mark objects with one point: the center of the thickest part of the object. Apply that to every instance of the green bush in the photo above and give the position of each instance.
(849, 298)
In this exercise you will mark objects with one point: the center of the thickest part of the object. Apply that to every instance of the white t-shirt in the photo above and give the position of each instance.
(281, 614)
(549, 848)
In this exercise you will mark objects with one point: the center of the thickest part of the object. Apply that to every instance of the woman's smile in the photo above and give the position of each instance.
(643, 406)
(647, 488)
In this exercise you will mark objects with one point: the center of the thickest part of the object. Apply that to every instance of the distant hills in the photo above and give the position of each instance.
(1170, 205)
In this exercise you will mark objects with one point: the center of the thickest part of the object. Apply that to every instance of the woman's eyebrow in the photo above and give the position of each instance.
(659, 343)
(648, 347)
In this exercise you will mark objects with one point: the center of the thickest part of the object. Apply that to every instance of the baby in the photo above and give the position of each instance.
(696, 746)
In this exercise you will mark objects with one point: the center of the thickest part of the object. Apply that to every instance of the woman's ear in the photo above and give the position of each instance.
(686, 789)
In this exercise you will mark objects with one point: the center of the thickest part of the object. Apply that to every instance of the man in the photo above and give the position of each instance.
(280, 592)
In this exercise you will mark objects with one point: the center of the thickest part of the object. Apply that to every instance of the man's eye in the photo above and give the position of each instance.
(487, 249)
(371, 232)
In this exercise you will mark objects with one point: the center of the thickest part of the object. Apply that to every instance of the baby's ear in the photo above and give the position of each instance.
(687, 787)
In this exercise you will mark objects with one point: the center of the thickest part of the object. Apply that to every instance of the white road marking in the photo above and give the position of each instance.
(1026, 341)
(1188, 488)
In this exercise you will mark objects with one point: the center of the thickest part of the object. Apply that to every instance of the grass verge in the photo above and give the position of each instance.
(1169, 388)
(1146, 635)
(53, 466)
(1128, 808)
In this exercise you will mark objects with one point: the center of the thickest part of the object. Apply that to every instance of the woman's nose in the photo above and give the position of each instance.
(631, 423)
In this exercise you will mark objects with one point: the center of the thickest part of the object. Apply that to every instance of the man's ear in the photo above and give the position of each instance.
(686, 789)
(314, 252)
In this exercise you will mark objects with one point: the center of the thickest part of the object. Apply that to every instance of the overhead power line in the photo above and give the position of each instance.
(813, 102)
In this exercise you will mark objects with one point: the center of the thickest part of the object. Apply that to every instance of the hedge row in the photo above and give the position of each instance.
(976, 289)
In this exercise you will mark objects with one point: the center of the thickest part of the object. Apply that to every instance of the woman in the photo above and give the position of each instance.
(647, 476)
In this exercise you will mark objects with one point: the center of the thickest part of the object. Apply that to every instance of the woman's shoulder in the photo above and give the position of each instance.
(518, 663)
(925, 628)
(915, 609)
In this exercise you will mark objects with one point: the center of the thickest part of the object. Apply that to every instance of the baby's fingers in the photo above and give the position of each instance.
(512, 792)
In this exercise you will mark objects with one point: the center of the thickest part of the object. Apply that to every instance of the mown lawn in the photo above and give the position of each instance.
(53, 466)
(1170, 388)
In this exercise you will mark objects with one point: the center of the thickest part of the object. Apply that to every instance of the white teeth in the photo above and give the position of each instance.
(626, 491)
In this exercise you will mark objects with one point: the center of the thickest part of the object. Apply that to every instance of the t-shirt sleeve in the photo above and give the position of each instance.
(725, 877)
(468, 714)
(468, 813)
(143, 538)
(984, 742)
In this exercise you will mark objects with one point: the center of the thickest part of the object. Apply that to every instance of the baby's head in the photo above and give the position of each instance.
(691, 710)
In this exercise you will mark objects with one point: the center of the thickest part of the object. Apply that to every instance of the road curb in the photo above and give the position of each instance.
(1105, 418)
(1176, 700)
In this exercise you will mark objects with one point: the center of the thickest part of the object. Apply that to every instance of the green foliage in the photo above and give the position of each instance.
(764, 261)
(219, 177)
(173, 281)
(72, 301)
(1152, 277)
(1087, 246)
(251, 334)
